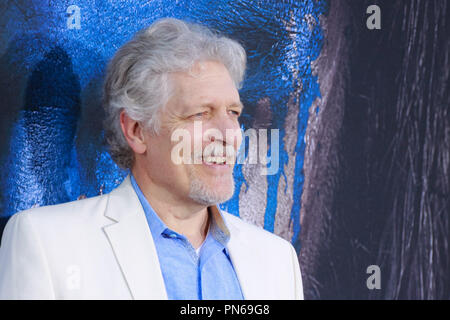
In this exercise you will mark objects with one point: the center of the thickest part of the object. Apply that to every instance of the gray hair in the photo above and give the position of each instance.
(137, 78)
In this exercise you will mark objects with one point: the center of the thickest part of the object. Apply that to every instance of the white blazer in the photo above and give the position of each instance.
(102, 248)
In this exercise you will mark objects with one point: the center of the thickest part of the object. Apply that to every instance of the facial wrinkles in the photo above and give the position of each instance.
(217, 148)
(179, 114)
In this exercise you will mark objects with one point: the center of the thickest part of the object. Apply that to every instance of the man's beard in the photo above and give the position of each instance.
(205, 194)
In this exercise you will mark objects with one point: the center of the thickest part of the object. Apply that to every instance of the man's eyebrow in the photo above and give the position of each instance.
(234, 104)
(239, 105)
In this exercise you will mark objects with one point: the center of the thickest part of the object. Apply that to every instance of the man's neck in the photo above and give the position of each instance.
(187, 218)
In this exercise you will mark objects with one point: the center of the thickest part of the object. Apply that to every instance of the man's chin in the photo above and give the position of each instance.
(212, 192)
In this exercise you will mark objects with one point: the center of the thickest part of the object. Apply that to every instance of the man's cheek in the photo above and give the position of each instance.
(238, 141)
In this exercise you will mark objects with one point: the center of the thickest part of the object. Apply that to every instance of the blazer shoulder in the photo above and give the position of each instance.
(255, 234)
(69, 211)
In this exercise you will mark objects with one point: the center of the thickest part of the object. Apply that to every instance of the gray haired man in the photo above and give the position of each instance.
(160, 234)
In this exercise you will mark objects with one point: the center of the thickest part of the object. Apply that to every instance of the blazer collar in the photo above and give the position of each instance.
(245, 262)
(133, 244)
(135, 251)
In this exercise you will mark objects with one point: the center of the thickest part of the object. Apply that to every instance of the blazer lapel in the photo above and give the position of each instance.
(243, 259)
(133, 245)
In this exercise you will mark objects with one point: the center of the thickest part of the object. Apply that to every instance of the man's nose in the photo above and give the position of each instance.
(226, 126)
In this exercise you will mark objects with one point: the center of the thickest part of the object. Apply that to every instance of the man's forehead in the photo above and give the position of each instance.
(202, 72)
(217, 90)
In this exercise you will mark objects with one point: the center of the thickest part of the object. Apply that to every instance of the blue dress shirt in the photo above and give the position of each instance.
(188, 276)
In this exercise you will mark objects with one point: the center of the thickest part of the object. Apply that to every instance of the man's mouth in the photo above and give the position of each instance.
(218, 165)
(215, 160)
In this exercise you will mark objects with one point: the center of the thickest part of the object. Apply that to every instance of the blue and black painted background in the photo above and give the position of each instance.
(364, 120)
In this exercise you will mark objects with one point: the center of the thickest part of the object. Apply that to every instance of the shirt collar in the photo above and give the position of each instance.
(217, 227)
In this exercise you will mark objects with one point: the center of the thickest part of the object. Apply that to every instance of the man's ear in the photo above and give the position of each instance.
(133, 132)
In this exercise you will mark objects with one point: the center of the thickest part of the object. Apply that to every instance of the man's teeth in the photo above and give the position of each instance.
(215, 160)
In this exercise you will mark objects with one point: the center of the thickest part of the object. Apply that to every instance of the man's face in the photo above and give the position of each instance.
(203, 111)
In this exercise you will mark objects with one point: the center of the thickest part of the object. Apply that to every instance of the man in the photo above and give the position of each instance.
(159, 235)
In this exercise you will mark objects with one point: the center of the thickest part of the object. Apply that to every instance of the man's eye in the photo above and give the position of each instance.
(237, 113)
(197, 115)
